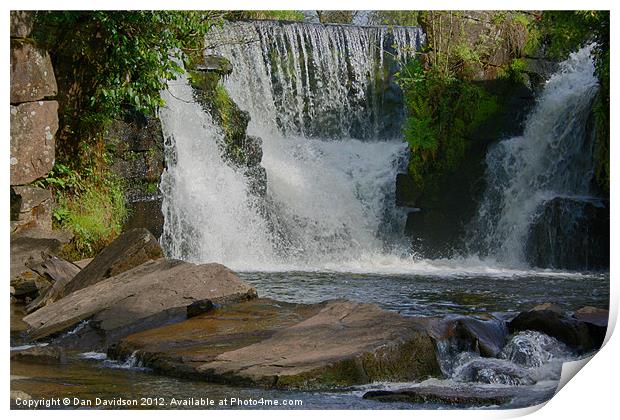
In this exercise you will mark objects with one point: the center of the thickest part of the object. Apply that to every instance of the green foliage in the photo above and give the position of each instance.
(108, 63)
(441, 111)
(91, 206)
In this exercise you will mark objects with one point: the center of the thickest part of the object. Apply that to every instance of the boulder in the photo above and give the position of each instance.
(569, 330)
(29, 250)
(33, 126)
(548, 306)
(40, 354)
(32, 75)
(31, 207)
(484, 336)
(444, 395)
(596, 319)
(17, 394)
(143, 297)
(129, 250)
(21, 23)
(277, 344)
(58, 271)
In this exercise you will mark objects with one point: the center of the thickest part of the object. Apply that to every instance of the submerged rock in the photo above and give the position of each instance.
(143, 297)
(40, 354)
(277, 344)
(455, 396)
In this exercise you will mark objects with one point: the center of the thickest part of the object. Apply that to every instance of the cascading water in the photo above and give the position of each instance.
(318, 97)
(551, 160)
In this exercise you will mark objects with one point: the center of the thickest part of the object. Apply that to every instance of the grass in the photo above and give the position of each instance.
(95, 215)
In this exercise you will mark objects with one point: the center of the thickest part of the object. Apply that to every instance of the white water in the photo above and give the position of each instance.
(553, 158)
(330, 197)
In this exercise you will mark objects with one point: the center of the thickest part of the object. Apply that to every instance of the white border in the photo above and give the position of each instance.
(591, 395)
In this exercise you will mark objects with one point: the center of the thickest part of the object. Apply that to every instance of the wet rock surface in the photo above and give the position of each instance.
(567, 329)
(40, 354)
(143, 297)
(469, 396)
(335, 343)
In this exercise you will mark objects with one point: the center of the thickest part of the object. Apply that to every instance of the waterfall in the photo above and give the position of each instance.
(552, 160)
(324, 100)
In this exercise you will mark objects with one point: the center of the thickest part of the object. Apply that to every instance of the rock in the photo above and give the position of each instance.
(145, 296)
(21, 23)
(345, 343)
(554, 307)
(533, 349)
(180, 349)
(59, 271)
(28, 250)
(40, 354)
(486, 337)
(592, 315)
(83, 263)
(146, 214)
(494, 371)
(216, 63)
(276, 344)
(407, 192)
(199, 307)
(596, 319)
(453, 395)
(29, 284)
(33, 126)
(33, 208)
(32, 75)
(253, 149)
(570, 331)
(129, 250)
(21, 395)
(570, 233)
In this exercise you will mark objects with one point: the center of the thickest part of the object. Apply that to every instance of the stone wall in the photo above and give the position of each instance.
(34, 122)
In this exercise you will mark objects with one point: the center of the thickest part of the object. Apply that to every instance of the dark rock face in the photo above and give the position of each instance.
(138, 151)
(32, 75)
(140, 298)
(33, 125)
(238, 148)
(569, 330)
(571, 234)
(283, 345)
(450, 204)
(486, 337)
(596, 320)
(407, 193)
(129, 250)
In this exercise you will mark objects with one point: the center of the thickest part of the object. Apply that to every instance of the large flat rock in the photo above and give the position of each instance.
(275, 344)
(141, 296)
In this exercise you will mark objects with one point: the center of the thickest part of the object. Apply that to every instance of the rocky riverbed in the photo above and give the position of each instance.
(131, 307)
